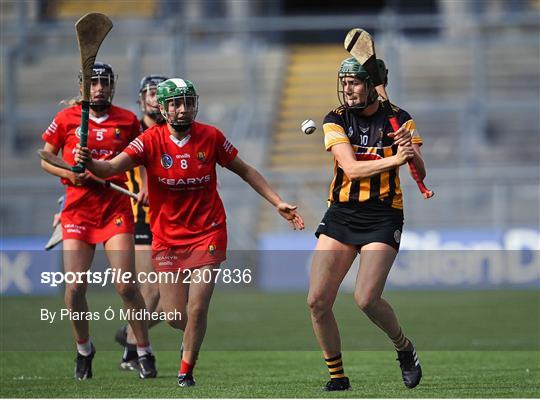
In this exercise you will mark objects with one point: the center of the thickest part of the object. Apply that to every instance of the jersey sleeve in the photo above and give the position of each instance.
(334, 132)
(405, 118)
(138, 149)
(225, 151)
(55, 133)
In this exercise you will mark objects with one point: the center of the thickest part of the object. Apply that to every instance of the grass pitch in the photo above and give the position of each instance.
(455, 374)
(470, 343)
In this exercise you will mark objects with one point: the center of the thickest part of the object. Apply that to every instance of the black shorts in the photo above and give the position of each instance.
(361, 223)
(143, 235)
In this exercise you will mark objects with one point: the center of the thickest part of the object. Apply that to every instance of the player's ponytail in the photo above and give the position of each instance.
(74, 101)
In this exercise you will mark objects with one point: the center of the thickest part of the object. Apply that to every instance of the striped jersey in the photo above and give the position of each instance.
(369, 140)
(134, 184)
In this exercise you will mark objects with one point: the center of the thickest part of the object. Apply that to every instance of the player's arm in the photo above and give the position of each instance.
(76, 179)
(354, 169)
(261, 186)
(404, 137)
(104, 168)
(418, 162)
(337, 141)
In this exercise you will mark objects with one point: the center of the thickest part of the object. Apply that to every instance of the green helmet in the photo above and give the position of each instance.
(174, 87)
(182, 91)
(351, 67)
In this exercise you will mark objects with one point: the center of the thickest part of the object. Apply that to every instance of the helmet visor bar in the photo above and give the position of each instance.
(102, 89)
(180, 109)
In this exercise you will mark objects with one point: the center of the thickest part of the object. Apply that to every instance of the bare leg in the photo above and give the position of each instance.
(78, 257)
(173, 298)
(331, 261)
(376, 259)
(200, 294)
(149, 291)
(120, 252)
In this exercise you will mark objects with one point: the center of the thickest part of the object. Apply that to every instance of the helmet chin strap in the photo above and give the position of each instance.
(181, 128)
(98, 107)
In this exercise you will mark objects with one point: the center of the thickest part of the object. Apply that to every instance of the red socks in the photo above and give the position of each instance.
(186, 368)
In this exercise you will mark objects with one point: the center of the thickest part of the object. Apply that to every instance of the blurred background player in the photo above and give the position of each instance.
(150, 116)
(365, 215)
(95, 214)
(186, 213)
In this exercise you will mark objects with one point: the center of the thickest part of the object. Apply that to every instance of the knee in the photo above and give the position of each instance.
(75, 291)
(365, 301)
(175, 317)
(178, 323)
(197, 314)
(150, 294)
(127, 291)
(318, 305)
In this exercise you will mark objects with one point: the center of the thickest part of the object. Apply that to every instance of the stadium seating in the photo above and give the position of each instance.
(260, 91)
(117, 9)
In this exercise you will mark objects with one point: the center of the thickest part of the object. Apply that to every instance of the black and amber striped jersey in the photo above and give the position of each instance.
(369, 140)
(134, 184)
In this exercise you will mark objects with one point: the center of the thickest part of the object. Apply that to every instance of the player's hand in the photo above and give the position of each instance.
(82, 155)
(142, 197)
(290, 214)
(79, 179)
(404, 153)
(402, 136)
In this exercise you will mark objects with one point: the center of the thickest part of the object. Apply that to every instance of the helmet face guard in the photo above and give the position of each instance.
(352, 68)
(148, 97)
(103, 75)
(179, 103)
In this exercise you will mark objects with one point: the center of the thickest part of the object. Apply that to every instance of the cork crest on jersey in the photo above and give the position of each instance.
(166, 161)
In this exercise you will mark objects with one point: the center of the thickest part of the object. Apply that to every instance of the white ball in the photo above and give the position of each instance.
(308, 126)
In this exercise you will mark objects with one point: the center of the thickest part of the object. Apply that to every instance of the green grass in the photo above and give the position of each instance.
(278, 374)
(471, 344)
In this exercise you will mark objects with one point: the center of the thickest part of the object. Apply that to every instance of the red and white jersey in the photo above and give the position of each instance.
(183, 198)
(93, 213)
(107, 135)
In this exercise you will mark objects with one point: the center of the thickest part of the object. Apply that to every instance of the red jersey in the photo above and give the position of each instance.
(107, 135)
(93, 213)
(184, 202)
